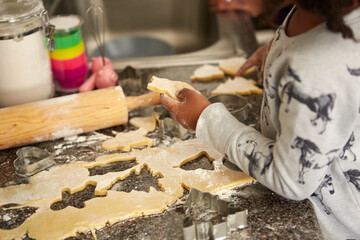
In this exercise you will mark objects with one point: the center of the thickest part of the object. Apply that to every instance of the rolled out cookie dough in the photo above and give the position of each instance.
(46, 187)
(169, 87)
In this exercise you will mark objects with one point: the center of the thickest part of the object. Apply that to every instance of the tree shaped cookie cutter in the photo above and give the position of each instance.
(235, 217)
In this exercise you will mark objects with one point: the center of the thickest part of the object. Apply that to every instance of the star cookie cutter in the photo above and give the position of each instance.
(235, 217)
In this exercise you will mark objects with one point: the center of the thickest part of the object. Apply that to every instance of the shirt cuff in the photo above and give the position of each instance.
(216, 125)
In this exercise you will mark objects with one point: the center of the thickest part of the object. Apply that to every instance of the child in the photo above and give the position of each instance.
(270, 13)
(309, 146)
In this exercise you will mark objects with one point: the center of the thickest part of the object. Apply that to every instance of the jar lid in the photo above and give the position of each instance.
(19, 18)
(19, 10)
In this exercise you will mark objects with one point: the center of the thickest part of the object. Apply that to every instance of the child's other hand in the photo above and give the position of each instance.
(187, 110)
(257, 59)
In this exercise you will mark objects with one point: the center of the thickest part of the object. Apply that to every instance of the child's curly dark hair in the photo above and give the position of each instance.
(331, 11)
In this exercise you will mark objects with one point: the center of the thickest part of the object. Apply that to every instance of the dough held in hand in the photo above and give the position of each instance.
(164, 85)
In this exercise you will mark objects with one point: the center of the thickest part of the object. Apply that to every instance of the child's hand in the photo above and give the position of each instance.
(257, 59)
(187, 110)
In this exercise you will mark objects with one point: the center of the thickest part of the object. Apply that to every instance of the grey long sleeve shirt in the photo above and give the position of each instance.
(309, 146)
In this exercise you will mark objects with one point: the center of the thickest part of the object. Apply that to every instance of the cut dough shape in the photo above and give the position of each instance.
(148, 123)
(231, 66)
(46, 187)
(169, 87)
(239, 85)
(128, 140)
(206, 73)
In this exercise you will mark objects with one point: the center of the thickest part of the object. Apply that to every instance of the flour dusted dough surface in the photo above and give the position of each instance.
(128, 140)
(238, 85)
(46, 187)
(164, 85)
(231, 66)
(207, 72)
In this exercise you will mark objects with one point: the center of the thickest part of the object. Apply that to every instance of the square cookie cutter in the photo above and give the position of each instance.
(234, 215)
(32, 160)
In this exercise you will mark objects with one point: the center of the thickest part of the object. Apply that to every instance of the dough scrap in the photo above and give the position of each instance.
(206, 73)
(128, 140)
(148, 123)
(238, 85)
(231, 65)
(169, 87)
(46, 187)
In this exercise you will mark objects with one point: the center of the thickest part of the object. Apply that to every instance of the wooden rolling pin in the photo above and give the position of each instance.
(68, 115)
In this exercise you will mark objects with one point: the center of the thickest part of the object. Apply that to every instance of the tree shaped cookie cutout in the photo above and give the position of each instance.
(238, 85)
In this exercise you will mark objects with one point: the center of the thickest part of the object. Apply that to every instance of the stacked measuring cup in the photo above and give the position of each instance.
(68, 60)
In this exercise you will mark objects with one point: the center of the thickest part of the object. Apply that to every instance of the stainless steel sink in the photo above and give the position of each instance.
(193, 34)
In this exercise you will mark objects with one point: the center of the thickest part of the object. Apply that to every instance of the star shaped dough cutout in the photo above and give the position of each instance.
(206, 73)
(232, 65)
(128, 140)
(238, 85)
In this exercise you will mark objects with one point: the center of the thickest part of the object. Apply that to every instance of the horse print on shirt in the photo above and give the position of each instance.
(354, 71)
(278, 34)
(270, 90)
(265, 113)
(353, 176)
(326, 183)
(254, 157)
(308, 150)
(268, 160)
(321, 105)
(346, 151)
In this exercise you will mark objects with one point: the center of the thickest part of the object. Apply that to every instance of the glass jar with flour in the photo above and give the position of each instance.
(25, 36)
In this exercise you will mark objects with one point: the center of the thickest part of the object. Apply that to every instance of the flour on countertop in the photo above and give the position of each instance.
(79, 147)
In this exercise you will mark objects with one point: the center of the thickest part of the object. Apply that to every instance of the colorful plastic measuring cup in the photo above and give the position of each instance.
(68, 61)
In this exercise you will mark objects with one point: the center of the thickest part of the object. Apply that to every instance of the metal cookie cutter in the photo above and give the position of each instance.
(169, 127)
(235, 217)
(32, 160)
(237, 105)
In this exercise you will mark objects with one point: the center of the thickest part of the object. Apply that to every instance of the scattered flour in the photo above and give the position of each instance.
(66, 132)
(6, 217)
(85, 145)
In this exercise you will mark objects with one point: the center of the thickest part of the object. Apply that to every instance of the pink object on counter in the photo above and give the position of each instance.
(98, 63)
(103, 75)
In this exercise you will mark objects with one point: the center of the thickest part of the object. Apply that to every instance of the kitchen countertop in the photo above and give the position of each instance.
(270, 215)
